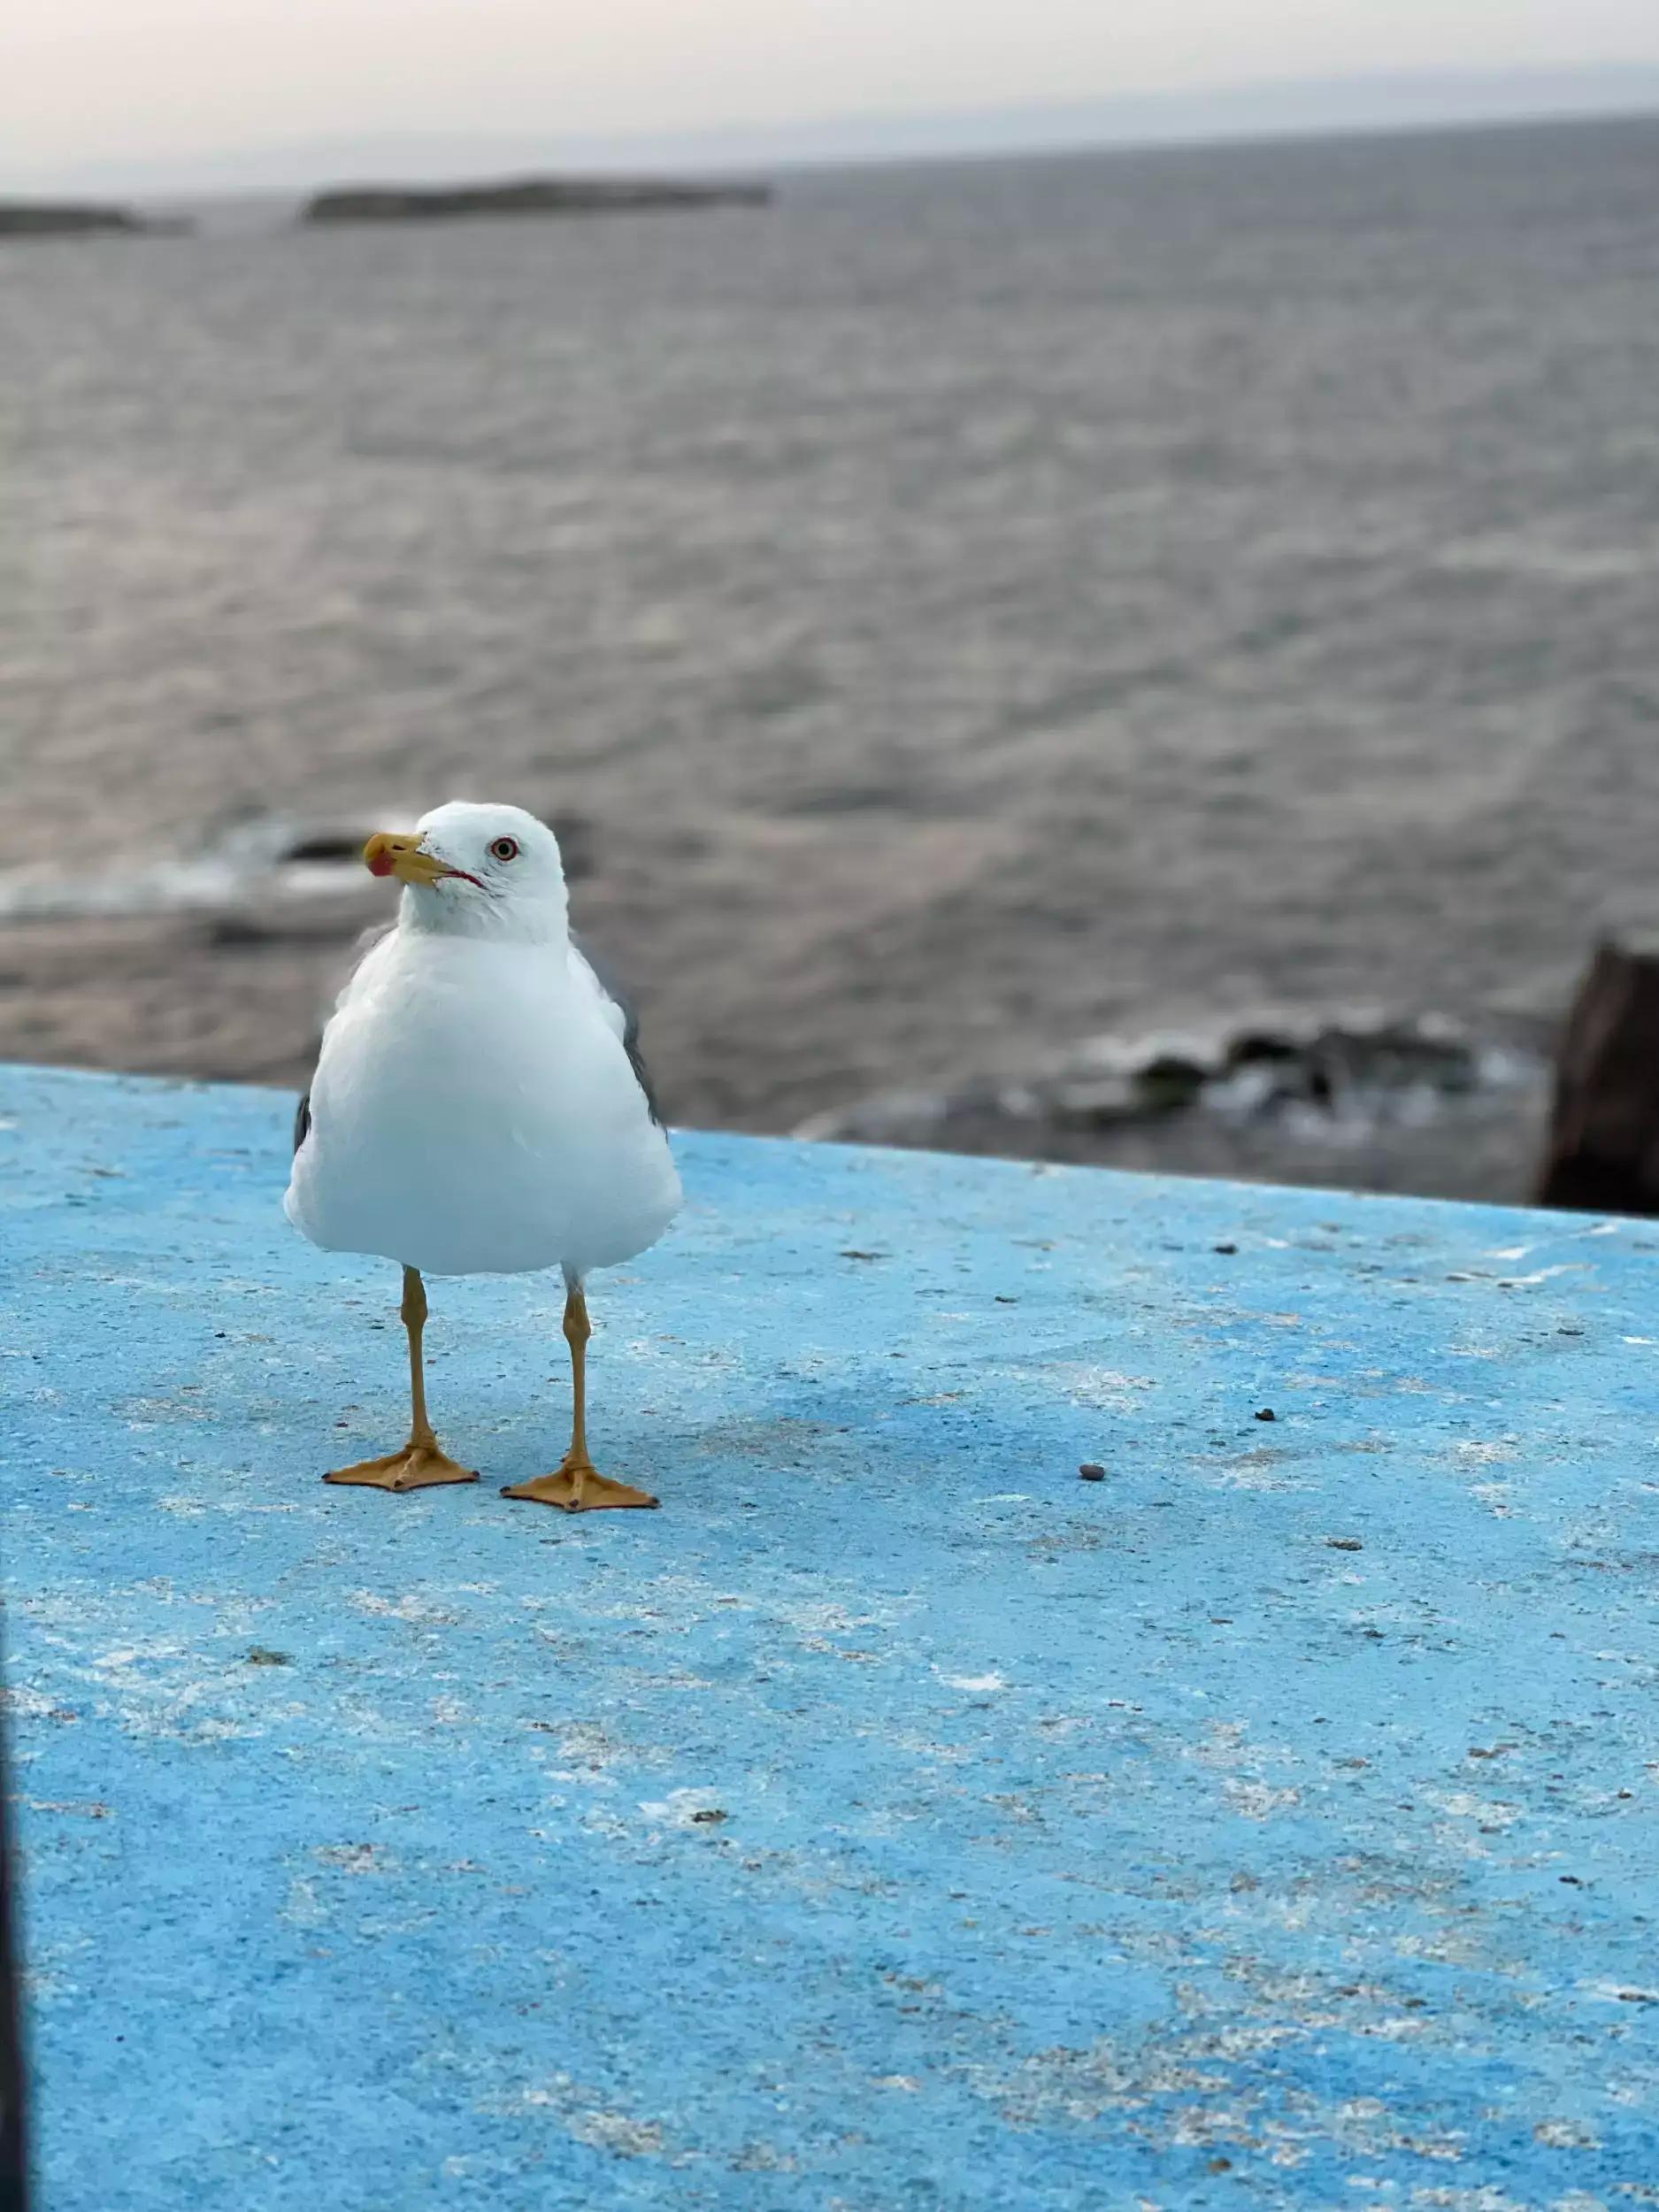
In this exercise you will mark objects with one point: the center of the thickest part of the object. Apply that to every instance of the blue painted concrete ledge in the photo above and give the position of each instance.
(895, 1823)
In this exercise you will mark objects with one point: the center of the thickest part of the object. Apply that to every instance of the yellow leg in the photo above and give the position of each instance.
(420, 1464)
(578, 1487)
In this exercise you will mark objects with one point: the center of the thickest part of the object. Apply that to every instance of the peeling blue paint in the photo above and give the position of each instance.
(894, 1823)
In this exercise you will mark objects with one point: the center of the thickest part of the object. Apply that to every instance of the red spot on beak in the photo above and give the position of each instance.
(382, 864)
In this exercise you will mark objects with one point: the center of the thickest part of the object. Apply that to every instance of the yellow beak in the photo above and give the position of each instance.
(389, 854)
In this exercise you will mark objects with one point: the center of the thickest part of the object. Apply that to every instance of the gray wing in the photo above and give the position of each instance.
(611, 992)
(360, 951)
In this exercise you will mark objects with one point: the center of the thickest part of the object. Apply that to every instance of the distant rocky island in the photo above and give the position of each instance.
(524, 195)
(78, 219)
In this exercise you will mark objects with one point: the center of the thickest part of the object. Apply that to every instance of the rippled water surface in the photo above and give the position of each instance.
(973, 607)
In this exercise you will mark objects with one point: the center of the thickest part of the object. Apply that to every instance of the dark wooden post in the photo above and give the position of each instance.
(1603, 1155)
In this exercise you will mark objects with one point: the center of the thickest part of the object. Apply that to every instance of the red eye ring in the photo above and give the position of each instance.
(504, 849)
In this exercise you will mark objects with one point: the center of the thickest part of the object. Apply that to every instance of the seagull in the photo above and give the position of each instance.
(480, 1107)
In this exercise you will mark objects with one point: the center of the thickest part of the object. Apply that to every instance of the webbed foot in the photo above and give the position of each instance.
(579, 1487)
(416, 1467)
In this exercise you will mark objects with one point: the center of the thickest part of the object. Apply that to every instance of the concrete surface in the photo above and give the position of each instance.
(895, 1823)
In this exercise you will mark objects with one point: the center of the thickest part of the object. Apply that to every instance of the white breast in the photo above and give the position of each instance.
(474, 1112)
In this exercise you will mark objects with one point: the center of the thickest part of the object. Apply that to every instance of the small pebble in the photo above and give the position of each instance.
(1267, 1414)
(1345, 1543)
(1091, 1471)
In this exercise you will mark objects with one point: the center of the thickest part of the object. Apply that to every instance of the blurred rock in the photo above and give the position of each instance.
(527, 196)
(73, 218)
(1361, 1100)
(1602, 1155)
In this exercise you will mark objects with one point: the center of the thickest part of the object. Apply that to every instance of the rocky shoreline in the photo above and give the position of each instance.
(1360, 1099)
(220, 964)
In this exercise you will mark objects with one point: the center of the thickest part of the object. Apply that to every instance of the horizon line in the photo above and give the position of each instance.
(1286, 107)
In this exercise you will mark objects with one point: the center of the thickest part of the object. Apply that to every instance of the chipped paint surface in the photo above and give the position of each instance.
(894, 1823)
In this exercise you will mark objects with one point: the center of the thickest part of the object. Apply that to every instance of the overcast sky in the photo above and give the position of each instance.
(98, 81)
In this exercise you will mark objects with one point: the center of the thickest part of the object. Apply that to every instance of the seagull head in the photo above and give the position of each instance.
(476, 871)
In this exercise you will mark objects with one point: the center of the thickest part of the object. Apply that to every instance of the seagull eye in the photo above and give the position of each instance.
(504, 849)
